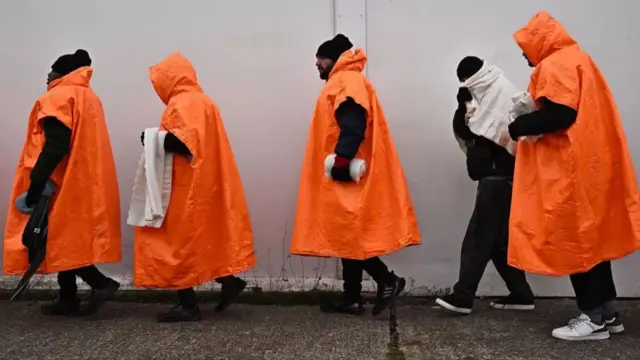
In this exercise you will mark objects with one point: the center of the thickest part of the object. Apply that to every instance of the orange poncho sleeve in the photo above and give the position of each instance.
(57, 104)
(351, 86)
(184, 125)
(557, 83)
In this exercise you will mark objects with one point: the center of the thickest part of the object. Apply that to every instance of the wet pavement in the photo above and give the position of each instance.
(250, 332)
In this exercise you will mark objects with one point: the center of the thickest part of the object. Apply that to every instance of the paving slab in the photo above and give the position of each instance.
(431, 333)
(250, 332)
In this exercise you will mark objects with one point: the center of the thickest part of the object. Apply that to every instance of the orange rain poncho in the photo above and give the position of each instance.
(84, 220)
(575, 196)
(206, 233)
(348, 220)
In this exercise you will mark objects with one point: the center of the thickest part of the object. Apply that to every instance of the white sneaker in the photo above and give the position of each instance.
(614, 325)
(581, 329)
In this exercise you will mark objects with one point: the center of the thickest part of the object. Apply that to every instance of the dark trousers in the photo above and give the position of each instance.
(187, 297)
(89, 274)
(352, 271)
(595, 287)
(487, 239)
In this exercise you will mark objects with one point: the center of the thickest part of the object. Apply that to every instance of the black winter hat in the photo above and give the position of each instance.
(332, 49)
(71, 62)
(468, 66)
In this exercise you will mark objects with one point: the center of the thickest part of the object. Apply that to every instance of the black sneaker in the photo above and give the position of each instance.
(230, 289)
(99, 297)
(455, 303)
(513, 303)
(387, 294)
(179, 314)
(343, 306)
(59, 308)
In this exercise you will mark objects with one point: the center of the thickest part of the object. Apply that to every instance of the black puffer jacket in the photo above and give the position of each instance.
(484, 157)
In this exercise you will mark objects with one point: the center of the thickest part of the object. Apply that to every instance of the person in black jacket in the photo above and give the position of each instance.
(487, 234)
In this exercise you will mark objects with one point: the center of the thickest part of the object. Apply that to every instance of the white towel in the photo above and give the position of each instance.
(152, 185)
(493, 94)
(357, 167)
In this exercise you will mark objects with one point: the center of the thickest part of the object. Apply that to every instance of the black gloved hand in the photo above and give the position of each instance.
(464, 96)
(142, 138)
(340, 170)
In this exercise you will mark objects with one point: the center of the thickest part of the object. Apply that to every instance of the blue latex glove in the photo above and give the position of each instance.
(21, 201)
(21, 204)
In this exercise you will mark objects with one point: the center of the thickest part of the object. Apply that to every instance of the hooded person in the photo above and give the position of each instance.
(496, 101)
(575, 199)
(67, 143)
(359, 219)
(206, 234)
(487, 234)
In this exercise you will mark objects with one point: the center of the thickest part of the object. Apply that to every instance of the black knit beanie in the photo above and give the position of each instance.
(468, 66)
(332, 49)
(71, 62)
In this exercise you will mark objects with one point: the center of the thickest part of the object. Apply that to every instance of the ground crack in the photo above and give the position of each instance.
(394, 352)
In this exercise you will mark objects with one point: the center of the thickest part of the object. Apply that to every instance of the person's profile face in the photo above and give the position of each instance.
(324, 67)
(53, 76)
(528, 61)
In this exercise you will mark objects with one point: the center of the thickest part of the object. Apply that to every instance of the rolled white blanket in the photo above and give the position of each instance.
(357, 167)
(523, 104)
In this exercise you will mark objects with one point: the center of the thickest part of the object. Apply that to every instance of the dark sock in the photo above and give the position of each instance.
(391, 281)
(595, 315)
(187, 298)
(609, 310)
(225, 279)
(93, 277)
(350, 297)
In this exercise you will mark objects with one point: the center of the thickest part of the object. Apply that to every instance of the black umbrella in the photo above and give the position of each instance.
(34, 238)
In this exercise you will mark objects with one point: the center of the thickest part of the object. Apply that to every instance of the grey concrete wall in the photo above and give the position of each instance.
(256, 59)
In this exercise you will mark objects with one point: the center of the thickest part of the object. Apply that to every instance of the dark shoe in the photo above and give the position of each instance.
(388, 294)
(59, 308)
(512, 302)
(99, 297)
(179, 314)
(230, 289)
(343, 306)
(455, 303)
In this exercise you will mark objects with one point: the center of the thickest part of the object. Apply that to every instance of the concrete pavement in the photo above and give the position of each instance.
(251, 332)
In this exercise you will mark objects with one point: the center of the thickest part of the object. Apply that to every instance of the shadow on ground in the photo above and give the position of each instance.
(249, 332)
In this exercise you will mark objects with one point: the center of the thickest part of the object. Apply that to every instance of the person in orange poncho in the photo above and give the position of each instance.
(575, 197)
(336, 216)
(67, 143)
(206, 233)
